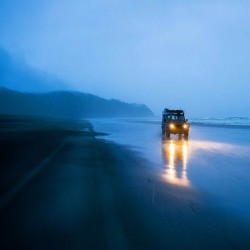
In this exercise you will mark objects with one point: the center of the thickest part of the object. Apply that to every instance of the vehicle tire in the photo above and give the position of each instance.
(168, 135)
(186, 136)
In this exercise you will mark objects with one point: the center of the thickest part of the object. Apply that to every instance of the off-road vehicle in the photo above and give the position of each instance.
(174, 122)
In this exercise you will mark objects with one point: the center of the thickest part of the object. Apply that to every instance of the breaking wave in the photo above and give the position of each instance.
(224, 122)
(229, 122)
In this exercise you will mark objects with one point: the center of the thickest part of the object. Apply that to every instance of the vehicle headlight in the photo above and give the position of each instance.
(172, 126)
(185, 126)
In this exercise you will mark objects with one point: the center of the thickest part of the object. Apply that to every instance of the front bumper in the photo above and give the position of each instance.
(176, 129)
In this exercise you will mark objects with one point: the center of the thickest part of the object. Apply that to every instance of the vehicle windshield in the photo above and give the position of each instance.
(175, 117)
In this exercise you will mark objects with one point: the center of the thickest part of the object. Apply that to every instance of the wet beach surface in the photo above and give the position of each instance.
(66, 186)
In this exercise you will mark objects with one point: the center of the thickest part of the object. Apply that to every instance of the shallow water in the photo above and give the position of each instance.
(215, 160)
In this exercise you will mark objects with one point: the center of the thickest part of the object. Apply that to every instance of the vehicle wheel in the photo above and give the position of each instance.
(168, 135)
(186, 136)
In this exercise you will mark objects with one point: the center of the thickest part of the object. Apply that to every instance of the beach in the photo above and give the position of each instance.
(117, 184)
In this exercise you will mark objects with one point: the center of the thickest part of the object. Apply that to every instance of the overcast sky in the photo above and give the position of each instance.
(189, 54)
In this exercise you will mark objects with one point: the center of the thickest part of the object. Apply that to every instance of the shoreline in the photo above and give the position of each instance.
(97, 194)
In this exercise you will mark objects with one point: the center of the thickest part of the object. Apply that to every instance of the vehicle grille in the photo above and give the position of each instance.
(178, 126)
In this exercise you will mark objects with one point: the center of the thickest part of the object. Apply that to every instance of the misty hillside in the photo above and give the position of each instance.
(66, 104)
(16, 74)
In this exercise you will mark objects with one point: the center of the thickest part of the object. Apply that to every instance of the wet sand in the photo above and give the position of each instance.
(65, 186)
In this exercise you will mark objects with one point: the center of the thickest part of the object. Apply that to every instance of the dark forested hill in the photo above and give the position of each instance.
(16, 74)
(66, 104)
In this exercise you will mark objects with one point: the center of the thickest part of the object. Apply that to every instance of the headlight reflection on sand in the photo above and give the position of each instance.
(218, 148)
(175, 156)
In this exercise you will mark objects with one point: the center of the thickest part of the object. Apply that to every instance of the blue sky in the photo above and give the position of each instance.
(189, 54)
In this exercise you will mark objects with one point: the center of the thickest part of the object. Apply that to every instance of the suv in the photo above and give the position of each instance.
(174, 122)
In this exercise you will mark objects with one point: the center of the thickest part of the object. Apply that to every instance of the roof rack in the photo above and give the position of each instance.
(173, 111)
